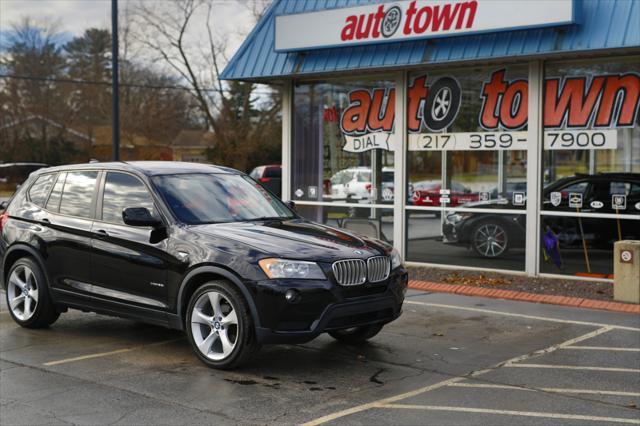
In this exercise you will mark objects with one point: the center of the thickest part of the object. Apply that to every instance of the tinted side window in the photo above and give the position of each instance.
(40, 189)
(121, 191)
(53, 204)
(624, 188)
(78, 193)
(273, 172)
(580, 187)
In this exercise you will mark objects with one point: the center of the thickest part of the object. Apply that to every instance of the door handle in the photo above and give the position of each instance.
(102, 233)
(45, 220)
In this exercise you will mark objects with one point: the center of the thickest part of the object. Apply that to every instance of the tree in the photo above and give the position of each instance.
(35, 60)
(59, 94)
(89, 59)
(163, 29)
(250, 130)
(247, 127)
(151, 108)
(34, 55)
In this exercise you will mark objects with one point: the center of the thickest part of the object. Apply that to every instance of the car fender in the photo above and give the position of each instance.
(212, 269)
(33, 253)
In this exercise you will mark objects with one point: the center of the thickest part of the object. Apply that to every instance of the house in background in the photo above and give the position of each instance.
(36, 137)
(132, 146)
(192, 145)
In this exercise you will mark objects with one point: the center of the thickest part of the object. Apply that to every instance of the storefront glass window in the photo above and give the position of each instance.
(371, 222)
(343, 142)
(591, 195)
(466, 166)
(343, 154)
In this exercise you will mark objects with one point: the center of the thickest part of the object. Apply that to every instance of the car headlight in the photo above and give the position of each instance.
(283, 268)
(457, 217)
(396, 259)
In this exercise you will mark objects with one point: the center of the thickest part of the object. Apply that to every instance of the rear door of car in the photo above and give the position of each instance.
(130, 263)
(68, 215)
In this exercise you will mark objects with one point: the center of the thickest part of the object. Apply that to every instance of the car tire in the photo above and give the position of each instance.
(27, 295)
(219, 326)
(356, 335)
(490, 239)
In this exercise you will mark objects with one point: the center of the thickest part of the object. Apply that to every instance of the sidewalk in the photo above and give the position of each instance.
(523, 296)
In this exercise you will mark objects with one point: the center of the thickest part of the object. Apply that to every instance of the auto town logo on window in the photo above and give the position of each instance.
(368, 121)
(595, 102)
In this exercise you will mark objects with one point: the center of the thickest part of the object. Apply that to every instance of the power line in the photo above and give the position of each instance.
(122, 84)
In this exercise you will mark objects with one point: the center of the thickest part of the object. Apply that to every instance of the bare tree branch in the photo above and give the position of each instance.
(167, 39)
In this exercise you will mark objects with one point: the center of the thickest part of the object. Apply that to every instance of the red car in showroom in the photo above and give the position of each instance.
(427, 193)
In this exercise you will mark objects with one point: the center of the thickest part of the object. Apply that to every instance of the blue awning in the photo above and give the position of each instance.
(602, 24)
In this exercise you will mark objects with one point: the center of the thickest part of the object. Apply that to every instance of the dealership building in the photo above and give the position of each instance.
(470, 134)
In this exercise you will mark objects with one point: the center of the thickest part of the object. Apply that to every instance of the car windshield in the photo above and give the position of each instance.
(218, 198)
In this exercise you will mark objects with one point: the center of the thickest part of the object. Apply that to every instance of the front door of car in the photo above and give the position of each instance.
(129, 263)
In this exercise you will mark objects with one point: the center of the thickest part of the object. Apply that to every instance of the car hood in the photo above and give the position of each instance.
(295, 239)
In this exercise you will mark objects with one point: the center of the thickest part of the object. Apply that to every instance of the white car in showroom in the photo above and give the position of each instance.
(355, 183)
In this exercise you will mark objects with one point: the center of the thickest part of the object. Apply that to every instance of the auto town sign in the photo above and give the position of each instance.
(416, 19)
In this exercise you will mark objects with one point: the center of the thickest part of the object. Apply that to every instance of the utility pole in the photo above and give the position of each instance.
(115, 84)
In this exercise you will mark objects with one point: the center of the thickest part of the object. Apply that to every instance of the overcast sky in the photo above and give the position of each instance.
(75, 16)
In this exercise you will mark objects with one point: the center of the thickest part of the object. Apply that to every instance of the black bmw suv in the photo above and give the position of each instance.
(193, 247)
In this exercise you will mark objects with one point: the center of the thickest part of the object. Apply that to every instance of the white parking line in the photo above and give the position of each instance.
(602, 348)
(511, 413)
(553, 348)
(510, 314)
(591, 392)
(103, 354)
(390, 400)
(555, 390)
(574, 367)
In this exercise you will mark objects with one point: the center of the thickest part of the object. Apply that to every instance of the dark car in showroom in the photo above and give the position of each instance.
(491, 235)
(199, 248)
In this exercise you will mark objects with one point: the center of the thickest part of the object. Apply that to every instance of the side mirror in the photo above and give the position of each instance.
(291, 205)
(4, 205)
(139, 216)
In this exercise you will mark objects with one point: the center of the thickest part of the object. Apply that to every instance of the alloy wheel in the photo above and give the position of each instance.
(22, 293)
(490, 240)
(214, 325)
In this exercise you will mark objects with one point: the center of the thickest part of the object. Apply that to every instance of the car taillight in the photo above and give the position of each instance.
(368, 187)
(3, 219)
(264, 180)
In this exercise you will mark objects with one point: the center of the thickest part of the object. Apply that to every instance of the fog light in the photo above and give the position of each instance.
(292, 296)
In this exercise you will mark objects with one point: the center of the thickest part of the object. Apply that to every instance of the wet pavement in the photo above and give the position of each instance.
(448, 360)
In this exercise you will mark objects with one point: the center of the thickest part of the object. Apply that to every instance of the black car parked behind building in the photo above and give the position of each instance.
(193, 247)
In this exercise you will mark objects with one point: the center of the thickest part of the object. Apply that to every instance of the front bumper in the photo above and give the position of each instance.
(323, 306)
(450, 233)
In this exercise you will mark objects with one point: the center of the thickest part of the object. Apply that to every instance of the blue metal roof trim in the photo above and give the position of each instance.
(603, 24)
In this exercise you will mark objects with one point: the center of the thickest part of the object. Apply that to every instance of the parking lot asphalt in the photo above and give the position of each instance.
(449, 359)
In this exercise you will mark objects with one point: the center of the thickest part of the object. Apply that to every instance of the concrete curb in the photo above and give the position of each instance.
(525, 297)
